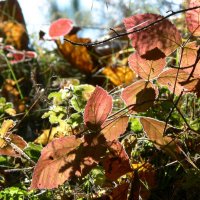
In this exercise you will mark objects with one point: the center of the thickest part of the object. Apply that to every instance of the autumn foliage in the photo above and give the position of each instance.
(124, 134)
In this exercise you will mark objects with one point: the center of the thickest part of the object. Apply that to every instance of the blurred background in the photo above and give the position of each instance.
(94, 16)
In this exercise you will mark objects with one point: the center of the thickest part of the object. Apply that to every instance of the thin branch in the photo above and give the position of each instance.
(131, 32)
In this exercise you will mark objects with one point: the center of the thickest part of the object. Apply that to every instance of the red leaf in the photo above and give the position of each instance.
(97, 108)
(193, 18)
(154, 130)
(155, 42)
(61, 27)
(8, 150)
(113, 129)
(116, 163)
(17, 57)
(140, 94)
(54, 166)
(168, 78)
(146, 69)
(66, 158)
(189, 56)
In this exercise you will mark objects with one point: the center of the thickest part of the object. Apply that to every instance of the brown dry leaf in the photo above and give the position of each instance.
(5, 147)
(9, 150)
(119, 75)
(77, 56)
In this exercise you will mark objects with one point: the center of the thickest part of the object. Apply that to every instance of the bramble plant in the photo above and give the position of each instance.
(129, 141)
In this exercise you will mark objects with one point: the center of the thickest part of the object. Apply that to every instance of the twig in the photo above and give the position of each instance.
(17, 170)
(131, 32)
(18, 150)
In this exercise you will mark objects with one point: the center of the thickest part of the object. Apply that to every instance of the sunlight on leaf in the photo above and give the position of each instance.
(55, 156)
(189, 56)
(193, 18)
(154, 130)
(97, 108)
(168, 78)
(140, 95)
(155, 42)
(112, 129)
(119, 75)
(146, 69)
(77, 56)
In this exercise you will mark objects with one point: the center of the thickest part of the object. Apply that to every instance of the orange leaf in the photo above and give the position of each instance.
(119, 75)
(113, 129)
(116, 163)
(155, 130)
(168, 78)
(146, 69)
(77, 56)
(67, 158)
(53, 167)
(8, 150)
(140, 95)
(189, 56)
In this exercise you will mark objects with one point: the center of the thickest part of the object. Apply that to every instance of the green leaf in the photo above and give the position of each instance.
(81, 94)
(75, 120)
(33, 151)
(136, 126)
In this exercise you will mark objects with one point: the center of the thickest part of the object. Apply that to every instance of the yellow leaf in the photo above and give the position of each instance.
(119, 75)
(5, 127)
(77, 56)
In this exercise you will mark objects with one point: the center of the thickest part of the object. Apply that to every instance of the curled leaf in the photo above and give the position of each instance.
(77, 56)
